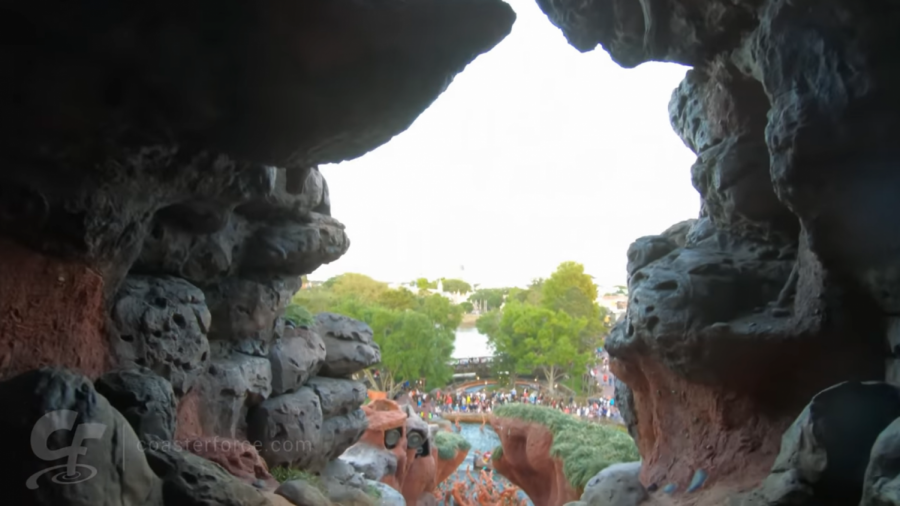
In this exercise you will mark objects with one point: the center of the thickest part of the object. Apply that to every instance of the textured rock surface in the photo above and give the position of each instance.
(789, 108)
(527, 464)
(881, 486)
(302, 492)
(389, 496)
(617, 485)
(161, 323)
(144, 398)
(191, 480)
(295, 357)
(232, 384)
(239, 458)
(52, 406)
(349, 345)
(288, 428)
(825, 452)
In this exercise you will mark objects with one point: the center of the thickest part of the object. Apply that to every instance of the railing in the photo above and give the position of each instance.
(459, 362)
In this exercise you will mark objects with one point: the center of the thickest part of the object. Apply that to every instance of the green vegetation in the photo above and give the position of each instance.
(373, 491)
(299, 315)
(584, 448)
(490, 298)
(283, 474)
(414, 330)
(554, 326)
(448, 443)
(455, 286)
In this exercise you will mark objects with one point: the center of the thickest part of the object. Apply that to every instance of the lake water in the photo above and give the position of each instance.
(471, 343)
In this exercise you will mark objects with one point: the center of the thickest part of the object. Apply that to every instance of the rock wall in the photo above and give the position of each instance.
(785, 284)
(160, 200)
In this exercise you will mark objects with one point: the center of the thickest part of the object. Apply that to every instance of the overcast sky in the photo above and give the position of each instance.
(536, 154)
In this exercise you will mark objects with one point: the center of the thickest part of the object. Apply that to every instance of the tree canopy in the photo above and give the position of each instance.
(491, 298)
(553, 326)
(414, 331)
(455, 286)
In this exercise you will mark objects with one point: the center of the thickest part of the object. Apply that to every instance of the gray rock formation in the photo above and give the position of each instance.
(245, 310)
(348, 343)
(304, 493)
(338, 396)
(194, 481)
(232, 385)
(144, 398)
(881, 486)
(161, 323)
(617, 485)
(50, 410)
(288, 428)
(372, 462)
(825, 453)
(388, 496)
(295, 357)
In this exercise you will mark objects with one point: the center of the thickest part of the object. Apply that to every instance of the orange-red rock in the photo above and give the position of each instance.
(527, 464)
(51, 314)
(239, 458)
(187, 417)
(445, 468)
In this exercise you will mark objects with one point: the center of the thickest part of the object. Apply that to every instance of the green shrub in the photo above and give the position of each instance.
(299, 315)
(584, 448)
(373, 491)
(448, 443)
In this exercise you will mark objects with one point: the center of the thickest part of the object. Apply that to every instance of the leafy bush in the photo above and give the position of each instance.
(448, 443)
(584, 448)
(299, 315)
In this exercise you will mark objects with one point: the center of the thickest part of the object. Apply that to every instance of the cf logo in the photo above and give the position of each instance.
(40, 435)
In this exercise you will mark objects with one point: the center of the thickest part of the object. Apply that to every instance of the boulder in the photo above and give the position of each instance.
(340, 474)
(239, 458)
(144, 398)
(297, 248)
(303, 493)
(338, 396)
(881, 485)
(191, 480)
(287, 429)
(373, 462)
(341, 432)
(826, 451)
(233, 383)
(349, 345)
(617, 485)
(387, 496)
(161, 323)
(295, 357)
(56, 411)
(244, 311)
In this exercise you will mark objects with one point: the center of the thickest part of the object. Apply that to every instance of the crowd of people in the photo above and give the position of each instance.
(483, 401)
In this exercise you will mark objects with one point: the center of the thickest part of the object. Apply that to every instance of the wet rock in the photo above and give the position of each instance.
(288, 428)
(881, 486)
(338, 396)
(190, 480)
(387, 495)
(144, 398)
(232, 385)
(825, 453)
(239, 458)
(53, 406)
(349, 345)
(617, 485)
(161, 323)
(295, 357)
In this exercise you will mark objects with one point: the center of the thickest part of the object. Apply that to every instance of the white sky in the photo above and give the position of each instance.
(536, 154)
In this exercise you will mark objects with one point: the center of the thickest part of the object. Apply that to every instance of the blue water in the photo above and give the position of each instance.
(482, 441)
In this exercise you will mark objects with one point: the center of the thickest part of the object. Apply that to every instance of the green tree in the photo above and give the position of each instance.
(572, 291)
(467, 306)
(455, 286)
(492, 298)
(352, 284)
(424, 284)
(400, 299)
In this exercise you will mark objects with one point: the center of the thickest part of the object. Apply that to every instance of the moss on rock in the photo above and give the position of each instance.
(448, 443)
